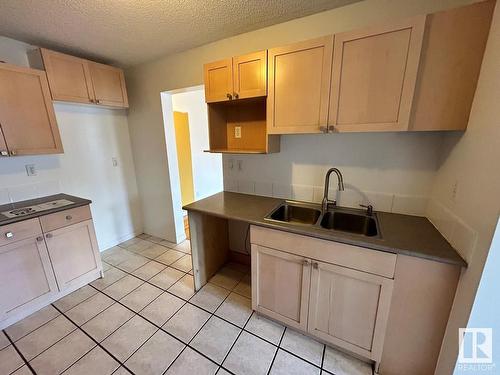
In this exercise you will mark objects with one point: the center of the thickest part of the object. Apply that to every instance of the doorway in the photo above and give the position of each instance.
(194, 173)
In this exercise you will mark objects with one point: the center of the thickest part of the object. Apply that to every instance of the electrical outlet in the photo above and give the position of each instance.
(237, 132)
(30, 169)
(114, 160)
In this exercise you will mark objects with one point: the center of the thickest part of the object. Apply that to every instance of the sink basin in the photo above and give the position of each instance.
(295, 213)
(350, 222)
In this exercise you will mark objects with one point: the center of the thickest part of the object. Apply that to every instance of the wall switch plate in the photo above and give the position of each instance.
(237, 132)
(30, 169)
(114, 161)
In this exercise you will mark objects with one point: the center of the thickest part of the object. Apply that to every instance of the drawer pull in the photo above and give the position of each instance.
(9, 235)
(48, 235)
(69, 217)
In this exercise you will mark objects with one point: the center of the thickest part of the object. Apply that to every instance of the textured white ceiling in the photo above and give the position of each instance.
(128, 32)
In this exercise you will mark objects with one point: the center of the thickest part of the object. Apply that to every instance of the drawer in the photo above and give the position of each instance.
(64, 218)
(358, 258)
(19, 231)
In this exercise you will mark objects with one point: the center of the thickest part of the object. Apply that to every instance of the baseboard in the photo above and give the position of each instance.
(119, 240)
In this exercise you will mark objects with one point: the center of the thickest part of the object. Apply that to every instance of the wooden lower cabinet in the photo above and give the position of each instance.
(280, 285)
(349, 308)
(26, 275)
(78, 240)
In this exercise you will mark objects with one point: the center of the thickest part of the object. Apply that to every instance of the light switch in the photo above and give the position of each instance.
(237, 132)
(30, 169)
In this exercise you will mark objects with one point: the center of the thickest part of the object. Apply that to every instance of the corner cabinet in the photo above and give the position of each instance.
(28, 124)
(77, 80)
(374, 74)
(43, 259)
(299, 85)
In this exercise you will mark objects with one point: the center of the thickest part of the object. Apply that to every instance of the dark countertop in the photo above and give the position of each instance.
(77, 202)
(400, 234)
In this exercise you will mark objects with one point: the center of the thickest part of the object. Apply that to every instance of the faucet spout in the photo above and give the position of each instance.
(340, 181)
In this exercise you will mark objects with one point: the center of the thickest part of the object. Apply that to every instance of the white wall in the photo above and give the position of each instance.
(392, 171)
(91, 137)
(207, 168)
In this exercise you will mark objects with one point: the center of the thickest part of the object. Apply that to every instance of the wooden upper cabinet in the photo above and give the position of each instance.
(299, 85)
(27, 118)
(250, 75)
(69, 77)
(373, 76)
(109, 85)
(349, 308)
(218, 78)
(3, 146)
(72, 79)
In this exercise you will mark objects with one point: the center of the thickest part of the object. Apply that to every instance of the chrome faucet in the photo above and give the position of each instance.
(326, 201)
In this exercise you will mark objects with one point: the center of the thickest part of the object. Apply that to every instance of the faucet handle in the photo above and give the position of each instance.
(369, 208)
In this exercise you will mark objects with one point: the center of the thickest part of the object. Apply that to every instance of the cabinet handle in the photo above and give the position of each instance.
(69, 217)
(305, 262)
(323, 129)
(48, 235)
(4, 153)
(229, 96)
(315, 265)
(332, 129)
(39, 238)
(236, 95)
(13, 153)
(9, 235)
(97, 101)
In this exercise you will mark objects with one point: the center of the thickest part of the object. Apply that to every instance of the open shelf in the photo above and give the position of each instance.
(246, 116)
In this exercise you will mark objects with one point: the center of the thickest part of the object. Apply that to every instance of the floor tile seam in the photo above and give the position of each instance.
(100, 345)
(23, 358)
(23, 336)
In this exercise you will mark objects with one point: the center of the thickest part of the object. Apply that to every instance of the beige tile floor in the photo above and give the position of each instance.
(143, 317)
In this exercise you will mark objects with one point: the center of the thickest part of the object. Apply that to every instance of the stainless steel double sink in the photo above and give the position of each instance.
(341, 219)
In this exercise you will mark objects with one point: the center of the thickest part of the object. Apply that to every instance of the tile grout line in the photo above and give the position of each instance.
(213, 314)
(20, 355)
(277, 350)
(99, 344)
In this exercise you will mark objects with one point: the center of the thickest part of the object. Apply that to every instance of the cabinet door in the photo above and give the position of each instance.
(108, 83)
(25, 275)
(374, 75)
(250, 75)
(299, 85)
(218, 78)
(280, 285)
(74, 252)
(69, 77)
(26, 112)
(349, 308)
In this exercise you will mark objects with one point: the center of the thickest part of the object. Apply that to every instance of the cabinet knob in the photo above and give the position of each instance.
(13, 153)
(332, 129)
(97, 101)
(48, 235)
(9, 234)
(229, 96)
(69, 217)
(236, 95)
(305, 262)
(4, 153)
(92, 100)
(39, 238)
(315, 265)
(323, 129)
